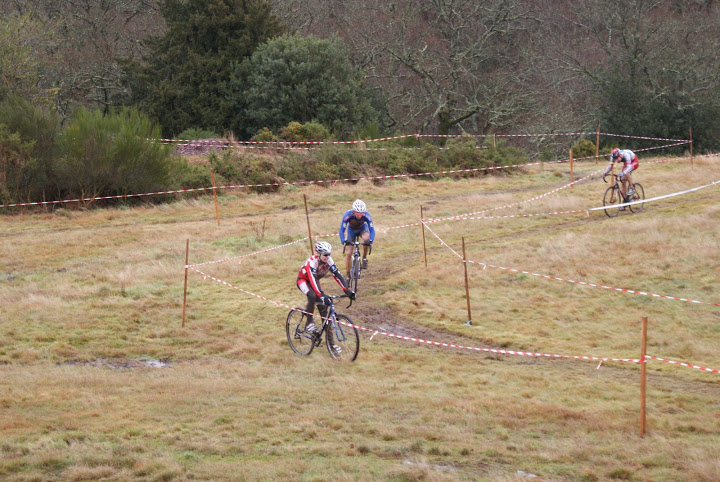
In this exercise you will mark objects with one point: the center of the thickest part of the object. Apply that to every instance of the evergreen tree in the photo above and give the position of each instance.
(183, 81)
(302, 79)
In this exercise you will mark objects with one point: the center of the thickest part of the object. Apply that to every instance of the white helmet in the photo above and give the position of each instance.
(359, 206)
(323, 247)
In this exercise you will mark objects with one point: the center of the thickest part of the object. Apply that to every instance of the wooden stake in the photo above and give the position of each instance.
(217, 210)
(571, 169)
(422, 233)
(643, 375)
(494, 143)
(691, 146)
(187, 250)
(307, 216)
(467, 286)
(597, 143)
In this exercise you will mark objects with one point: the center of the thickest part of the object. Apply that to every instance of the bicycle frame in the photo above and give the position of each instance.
(355, 264)
(609, 198)
(302, 342)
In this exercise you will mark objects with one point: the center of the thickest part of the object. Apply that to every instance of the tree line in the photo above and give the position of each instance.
(252, 68)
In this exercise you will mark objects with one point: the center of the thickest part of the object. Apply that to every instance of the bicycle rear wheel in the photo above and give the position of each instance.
(346, 337)
(610, 199)
(300, 341)
(639, 195)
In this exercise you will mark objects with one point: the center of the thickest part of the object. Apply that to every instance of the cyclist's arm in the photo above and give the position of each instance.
(607, 170)
(343, 228)
(372, 228)
(338, 277)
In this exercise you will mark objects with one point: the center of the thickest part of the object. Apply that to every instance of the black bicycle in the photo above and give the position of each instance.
(612, 198)
(338, 329)
(356, 266)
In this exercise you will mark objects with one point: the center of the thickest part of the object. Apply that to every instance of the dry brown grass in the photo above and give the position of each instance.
(86, 297)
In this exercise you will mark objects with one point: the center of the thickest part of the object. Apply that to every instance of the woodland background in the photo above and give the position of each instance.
(644, 67)
(83, 83)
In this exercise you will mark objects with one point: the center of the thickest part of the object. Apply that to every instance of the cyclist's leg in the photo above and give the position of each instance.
(625, 176)
(351, 235)
(312, 299)
(366, 239)
(628, 176)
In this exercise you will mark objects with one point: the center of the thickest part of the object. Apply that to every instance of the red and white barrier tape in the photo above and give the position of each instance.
(295, 183)
(420, 340)
(555, 278)
(272, 184)
(251, 254)
(404, 136)
(683, 141)
(452, 345)
(688, 365)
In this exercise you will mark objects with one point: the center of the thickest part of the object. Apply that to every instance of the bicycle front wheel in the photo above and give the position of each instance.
(301, 342)
(639, 195)
(610, 200)
(354, 273)
(346, 337)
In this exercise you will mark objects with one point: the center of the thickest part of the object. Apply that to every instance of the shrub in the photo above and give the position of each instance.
(111, 155)
(293, 132)
(15, 162)
(314, 131)
(28, 149)
(193, 134)
(241, 168)
(264, 135)
(583, 148)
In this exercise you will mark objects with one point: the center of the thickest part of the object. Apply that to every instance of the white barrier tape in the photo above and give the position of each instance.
(688, 365)
(665, 196)
(420, 340)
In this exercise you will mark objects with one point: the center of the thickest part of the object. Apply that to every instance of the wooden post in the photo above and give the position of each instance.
(217, 211)
(597, 143)
(307, 216)
(571, 169)
(187, 250)
(467, 286)
(691, 153)
(422, 234)
(643, 375)
(494, 143)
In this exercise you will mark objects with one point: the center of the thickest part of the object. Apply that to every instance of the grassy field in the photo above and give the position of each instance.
(99, 380)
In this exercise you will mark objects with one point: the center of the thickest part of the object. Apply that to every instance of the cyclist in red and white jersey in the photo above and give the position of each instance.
(308, 281)
(630, 164)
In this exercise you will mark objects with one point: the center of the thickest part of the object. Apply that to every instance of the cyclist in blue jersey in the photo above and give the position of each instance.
(356, 222)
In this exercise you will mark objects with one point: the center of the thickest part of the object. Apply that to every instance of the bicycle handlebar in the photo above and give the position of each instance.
(342, 296)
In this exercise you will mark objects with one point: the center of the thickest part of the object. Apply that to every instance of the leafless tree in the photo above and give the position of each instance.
(90, 36)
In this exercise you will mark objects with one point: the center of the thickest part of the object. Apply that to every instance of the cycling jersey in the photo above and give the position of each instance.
(629, 160)
(356, 226)
(314, 269)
